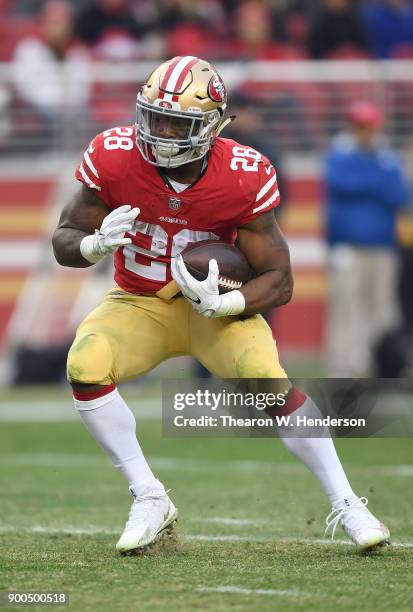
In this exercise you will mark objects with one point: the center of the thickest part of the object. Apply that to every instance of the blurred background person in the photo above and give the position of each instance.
(249, 129)
(389, 26)
(257, 33)
(191, 27)
(117, 30)
(393, 352)
(365, 190)
(51, 95)
(336, 29)
(98, 18)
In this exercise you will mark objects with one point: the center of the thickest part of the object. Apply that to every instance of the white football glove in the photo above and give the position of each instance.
(111, 234)
(204, 295)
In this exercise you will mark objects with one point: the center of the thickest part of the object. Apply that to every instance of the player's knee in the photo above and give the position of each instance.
(90, 360)
(252, 364)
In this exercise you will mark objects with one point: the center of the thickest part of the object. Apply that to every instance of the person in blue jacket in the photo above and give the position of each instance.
(388, 25)
(365, 191)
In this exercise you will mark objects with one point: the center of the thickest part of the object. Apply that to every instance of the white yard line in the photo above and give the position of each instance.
(242, 591)
(222, 520)
(94, 530)
(53, 460)
(329, 541)
(237, 538)
(259, 523)
(224, 538)
(68, 530)
(165, 463)
(70, 460)
(397, 470)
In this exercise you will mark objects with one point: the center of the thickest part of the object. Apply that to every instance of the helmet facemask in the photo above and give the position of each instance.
(170, 138)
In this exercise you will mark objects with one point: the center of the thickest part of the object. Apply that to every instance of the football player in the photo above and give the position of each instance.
(148, 190)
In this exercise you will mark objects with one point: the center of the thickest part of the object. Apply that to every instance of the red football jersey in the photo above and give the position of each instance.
(237, 186)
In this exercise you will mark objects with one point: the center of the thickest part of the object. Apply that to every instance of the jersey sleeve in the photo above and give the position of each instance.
(91, 170)
(265, 193)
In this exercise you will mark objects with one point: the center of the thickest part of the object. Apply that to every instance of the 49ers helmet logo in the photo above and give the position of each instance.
(216, 89)
(165, 104)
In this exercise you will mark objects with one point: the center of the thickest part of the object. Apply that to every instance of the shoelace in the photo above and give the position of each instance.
(336, 514)
(141, 498)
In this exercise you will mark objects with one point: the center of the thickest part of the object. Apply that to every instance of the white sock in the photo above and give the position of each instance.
(318, 454)
(113, 426)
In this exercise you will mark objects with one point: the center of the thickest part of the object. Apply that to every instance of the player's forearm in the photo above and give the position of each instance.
(66, 247)
(268, 290)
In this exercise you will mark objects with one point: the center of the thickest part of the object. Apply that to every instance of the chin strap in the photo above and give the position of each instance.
(225, 123)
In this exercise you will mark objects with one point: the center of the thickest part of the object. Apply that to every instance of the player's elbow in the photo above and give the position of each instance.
(287, 289)
(61, 260)
(57, 248)
(61, 249)
(284, 290)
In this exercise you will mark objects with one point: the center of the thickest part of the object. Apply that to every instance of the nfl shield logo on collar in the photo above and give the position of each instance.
(175, 203)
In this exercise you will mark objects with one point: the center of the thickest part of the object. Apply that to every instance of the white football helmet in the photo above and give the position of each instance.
(179, 112)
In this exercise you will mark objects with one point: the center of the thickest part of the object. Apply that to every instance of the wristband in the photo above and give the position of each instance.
(232, 303)
(88, 251)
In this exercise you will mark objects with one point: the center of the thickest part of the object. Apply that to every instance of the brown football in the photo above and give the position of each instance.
(233, 267)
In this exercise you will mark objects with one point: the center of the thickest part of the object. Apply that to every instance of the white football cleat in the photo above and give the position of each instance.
(359, 524)
(151, 515)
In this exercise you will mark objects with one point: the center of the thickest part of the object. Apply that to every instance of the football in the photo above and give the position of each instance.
(234, 270)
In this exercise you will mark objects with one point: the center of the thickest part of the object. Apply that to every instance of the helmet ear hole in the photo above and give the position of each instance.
(214, 116)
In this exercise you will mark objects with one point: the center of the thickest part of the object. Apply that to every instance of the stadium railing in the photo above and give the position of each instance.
(302, 102)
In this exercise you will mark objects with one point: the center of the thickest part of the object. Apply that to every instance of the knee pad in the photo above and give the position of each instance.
(90, 360)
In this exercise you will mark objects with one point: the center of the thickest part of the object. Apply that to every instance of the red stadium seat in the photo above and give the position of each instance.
(188, 39)
(11, 31)
(349, 52)
(403, 52)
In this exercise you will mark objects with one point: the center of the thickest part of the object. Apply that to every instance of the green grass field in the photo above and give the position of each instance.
(250, 528)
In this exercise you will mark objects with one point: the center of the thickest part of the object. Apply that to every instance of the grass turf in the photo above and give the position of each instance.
(63, 505)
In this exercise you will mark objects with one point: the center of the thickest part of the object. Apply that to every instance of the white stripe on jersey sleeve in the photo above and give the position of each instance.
(267, 202)
(91, 184)
(89, 164)
(266, 187)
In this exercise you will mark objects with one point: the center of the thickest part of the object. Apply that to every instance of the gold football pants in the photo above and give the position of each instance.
(128, 335)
